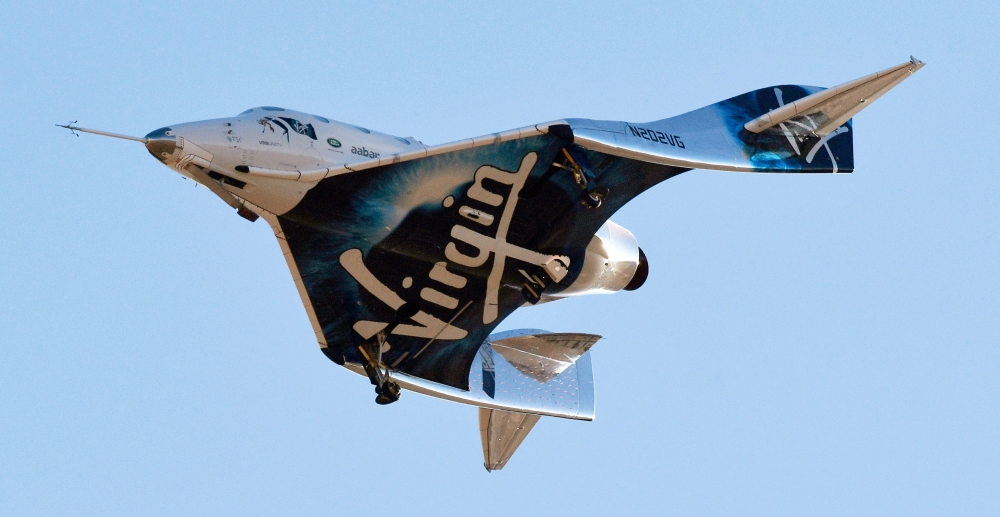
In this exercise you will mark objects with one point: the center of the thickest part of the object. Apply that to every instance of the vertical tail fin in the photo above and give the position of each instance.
(829, 109)
(502, 432)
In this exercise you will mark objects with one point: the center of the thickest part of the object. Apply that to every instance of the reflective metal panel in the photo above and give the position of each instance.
(502, 432)
(611, 261)
(544, 356)
(495, 380)
(497, 383)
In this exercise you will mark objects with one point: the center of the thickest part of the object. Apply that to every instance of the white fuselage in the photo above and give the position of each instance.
(266, 138)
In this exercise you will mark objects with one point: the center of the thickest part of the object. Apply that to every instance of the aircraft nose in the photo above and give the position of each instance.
(161, 144)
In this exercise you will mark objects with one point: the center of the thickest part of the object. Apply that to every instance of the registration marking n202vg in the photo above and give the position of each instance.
(657, 136)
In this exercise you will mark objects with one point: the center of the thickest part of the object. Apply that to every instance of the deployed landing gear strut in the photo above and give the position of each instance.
(575, 161)
(552, 272)
(386, 390)
(593, 197)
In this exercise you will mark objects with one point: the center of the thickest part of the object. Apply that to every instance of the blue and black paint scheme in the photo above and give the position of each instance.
(771, 150)
(396, 216)
(400, 219)
(714, 137)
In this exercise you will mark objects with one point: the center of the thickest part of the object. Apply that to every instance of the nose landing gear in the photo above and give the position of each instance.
(246, 213)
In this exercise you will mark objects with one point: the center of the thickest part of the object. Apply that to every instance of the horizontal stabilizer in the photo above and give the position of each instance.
(823, 112)
(525, 371)
(502, 432)
(544, 356)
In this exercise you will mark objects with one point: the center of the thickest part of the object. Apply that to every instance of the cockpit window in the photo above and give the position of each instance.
(405, 141)
(247, 111)
(321, 119)
(359, 128)
(271, 108)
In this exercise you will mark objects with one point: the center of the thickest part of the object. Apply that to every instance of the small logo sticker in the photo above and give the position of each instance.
(333, 142)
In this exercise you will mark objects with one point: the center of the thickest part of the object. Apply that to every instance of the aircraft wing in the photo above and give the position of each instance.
(454, 232)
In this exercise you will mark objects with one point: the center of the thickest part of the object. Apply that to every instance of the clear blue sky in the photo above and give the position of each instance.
(805, 345)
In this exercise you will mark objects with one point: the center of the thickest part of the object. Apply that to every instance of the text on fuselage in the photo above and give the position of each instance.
(657, 136)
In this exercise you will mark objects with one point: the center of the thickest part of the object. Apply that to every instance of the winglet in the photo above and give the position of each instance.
(832, 107)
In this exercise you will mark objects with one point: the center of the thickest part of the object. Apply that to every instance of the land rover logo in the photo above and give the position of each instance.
(333, 142)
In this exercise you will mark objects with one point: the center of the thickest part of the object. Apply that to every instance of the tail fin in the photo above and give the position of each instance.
(502, 432)
(787, 128)
(827, 110)
(790, 144)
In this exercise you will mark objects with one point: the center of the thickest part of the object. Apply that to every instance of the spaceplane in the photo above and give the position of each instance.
(407, 256)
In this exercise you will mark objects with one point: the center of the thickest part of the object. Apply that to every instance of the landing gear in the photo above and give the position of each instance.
(532, 290)
(575, 161)
(595, 197)
(246, 213)
(552, 272)
(386, 390)
(387, 393)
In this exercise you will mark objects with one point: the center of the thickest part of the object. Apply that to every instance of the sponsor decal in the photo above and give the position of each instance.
(361, 151)
(473, 237)
(333, 142)
(657, 136)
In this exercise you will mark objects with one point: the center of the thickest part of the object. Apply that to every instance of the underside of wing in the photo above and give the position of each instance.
(455, 234)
